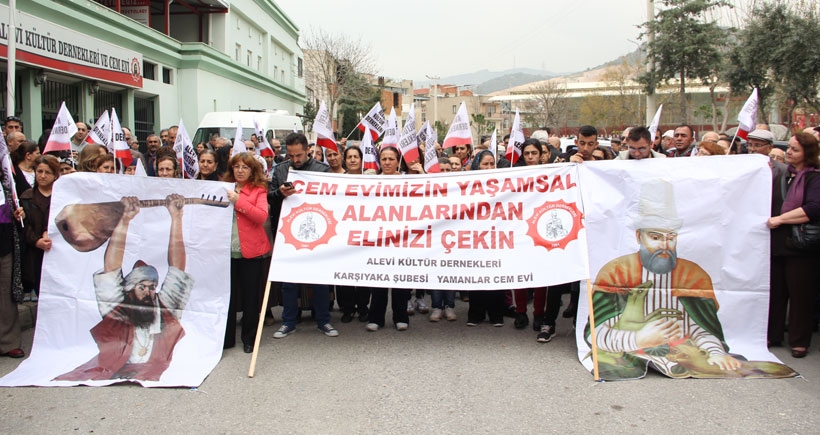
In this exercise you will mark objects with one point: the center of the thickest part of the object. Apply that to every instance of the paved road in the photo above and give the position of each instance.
(434, 378)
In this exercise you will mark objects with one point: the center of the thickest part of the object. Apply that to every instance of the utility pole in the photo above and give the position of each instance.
(11, 85)
(434, 95)
(651, 104)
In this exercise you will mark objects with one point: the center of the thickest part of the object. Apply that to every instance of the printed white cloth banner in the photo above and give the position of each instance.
(679, 255)
(136, 285)
(482, 230)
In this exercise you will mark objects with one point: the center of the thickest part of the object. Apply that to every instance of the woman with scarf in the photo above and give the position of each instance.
(794, 280)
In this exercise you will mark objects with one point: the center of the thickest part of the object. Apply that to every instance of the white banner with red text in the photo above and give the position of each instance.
(478, 230)
(136, 284)
(679, 258)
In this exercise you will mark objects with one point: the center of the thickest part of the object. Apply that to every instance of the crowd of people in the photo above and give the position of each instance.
(261, 186)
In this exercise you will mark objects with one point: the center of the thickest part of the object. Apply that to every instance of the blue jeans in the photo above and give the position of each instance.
(442, 298)
(321, 303)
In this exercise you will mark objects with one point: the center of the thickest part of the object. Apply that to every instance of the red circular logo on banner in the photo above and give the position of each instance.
(554, 224)
(308, 226)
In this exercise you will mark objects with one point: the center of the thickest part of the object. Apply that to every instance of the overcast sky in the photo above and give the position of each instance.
(447, 37)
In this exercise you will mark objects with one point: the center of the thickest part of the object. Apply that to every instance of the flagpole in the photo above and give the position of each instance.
(592, 337)
(732, 143)
(352, 131)
(259, 325)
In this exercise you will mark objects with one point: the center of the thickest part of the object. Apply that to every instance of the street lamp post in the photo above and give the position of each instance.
(434, 95)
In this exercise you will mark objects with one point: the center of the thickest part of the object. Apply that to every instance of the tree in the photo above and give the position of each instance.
(776, 54)
(685, 45)
(441, 131)
(480, 124)
(309, 115)
(361, 96)
(548, 100)
(332, 65)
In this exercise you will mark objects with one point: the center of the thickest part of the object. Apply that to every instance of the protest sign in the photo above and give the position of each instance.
(114, 236)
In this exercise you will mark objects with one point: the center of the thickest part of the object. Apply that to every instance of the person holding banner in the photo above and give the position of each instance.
(36, 202)
(334, 160)
(488, 303)
(249, 244)
(280, 189)
(389, 159)
(794, 279)
(11, 287)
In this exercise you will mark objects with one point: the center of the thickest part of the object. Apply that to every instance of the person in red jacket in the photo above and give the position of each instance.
(249, 244)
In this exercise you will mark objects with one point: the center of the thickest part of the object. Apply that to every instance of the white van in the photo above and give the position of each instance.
(277, 123)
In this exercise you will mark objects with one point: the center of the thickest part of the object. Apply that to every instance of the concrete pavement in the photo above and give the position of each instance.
(434, 378)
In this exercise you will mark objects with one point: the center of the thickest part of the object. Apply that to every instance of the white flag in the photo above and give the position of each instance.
(190, 163)
(100, 134)
(494, 147)
(324, 129)
(61, 132)
(374, 121)
(391, 131)
(516, 139)
(140, 171)
(118, 146)
(238, 141)
(747, 118)
(459, 132)
(370, 158)
(430, 155)
(653, 128)
(408, 144)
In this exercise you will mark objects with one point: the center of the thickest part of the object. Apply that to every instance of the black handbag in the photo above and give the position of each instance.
(806, 236)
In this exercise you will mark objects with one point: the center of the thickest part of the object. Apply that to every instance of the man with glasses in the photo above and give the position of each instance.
(299, 158)
(11, 124)
(638, 146)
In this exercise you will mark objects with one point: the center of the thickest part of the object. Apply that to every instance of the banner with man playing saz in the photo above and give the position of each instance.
(135, 287)
(679, 261)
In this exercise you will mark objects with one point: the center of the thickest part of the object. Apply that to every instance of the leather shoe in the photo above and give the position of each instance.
(15, 353)
(248, 348)
(799, 353)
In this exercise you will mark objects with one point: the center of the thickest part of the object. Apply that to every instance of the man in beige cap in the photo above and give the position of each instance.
(677, 294)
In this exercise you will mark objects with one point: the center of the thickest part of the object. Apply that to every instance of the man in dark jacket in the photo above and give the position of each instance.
(299, 158)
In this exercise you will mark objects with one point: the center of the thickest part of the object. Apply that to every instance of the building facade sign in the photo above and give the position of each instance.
(45, 44)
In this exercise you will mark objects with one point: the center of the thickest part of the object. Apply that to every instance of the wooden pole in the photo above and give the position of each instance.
(592, 336)
(259, 330)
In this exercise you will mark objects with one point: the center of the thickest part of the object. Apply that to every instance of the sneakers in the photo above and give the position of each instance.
(372, 327)
(410, 309)
(546, 334)
(472, 323)
(421, 306)
(521, 320)
(498, 324)
(284, 331)
(435, 316)
(329, 330)
(450, 314)
(537, 322)
(401, 326)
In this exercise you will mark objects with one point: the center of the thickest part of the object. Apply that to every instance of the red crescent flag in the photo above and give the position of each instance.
(374, 121)
(408, 144)
(516, 139)
(459, 132)
(264, 148)
(747, 118)
(391, 132)
(61, 132)
(428, 136)
(324, 129)
(370, 159)
(118, 146)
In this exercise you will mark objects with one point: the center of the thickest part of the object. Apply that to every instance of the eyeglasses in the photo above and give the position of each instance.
(241, 168)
